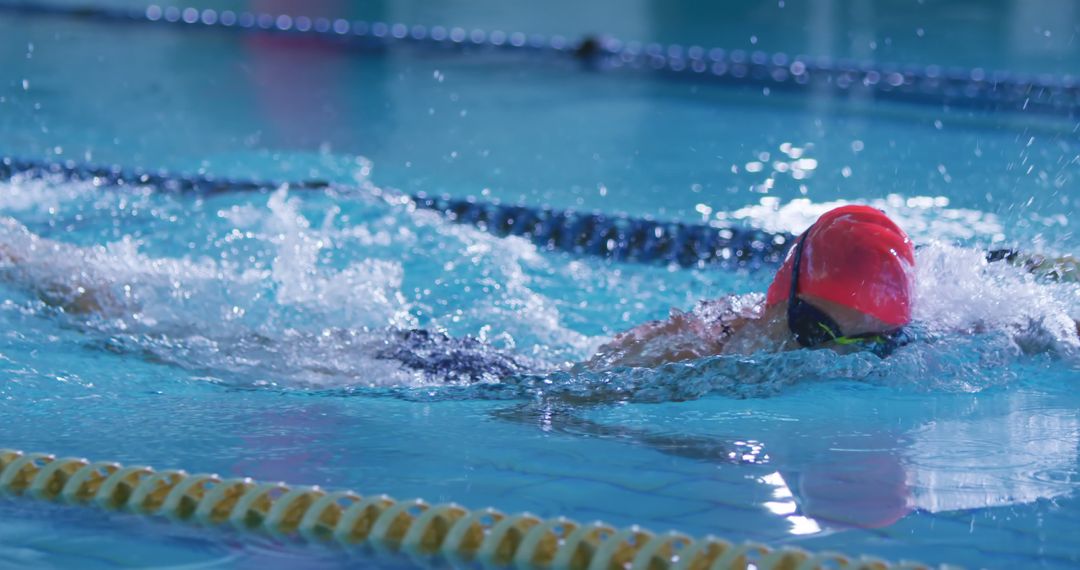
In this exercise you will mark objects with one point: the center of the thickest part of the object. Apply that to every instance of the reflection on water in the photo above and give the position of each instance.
(1016, 449)
(785, 505)
(819, 473)
(1017, 456)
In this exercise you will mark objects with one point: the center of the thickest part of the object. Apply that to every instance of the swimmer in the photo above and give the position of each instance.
(52, 270)
(846, 284)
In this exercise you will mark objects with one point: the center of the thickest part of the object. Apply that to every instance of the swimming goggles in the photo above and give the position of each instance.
(813, 327)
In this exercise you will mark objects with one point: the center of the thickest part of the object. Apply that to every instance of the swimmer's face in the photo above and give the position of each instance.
(851, 321)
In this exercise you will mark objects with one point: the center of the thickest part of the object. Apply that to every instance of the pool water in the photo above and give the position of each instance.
(239, 334)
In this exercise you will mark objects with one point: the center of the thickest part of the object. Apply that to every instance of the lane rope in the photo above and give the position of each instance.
(414, 529)
(931, 84)
(617, 237)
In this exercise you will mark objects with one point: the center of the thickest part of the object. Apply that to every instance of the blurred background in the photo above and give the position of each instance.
(488, 124)
(1028, 35)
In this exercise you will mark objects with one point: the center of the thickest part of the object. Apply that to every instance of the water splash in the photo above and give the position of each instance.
(311, 292)
(942, 365)
(35, 195)
(364, 293)
(959, 293)
(297, 302)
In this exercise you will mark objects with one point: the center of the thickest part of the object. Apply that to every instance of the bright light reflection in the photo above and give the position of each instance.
(787, 508)
(784, 509)
(803, 525)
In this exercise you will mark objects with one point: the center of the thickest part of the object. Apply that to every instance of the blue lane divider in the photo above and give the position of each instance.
(621, 238)
(931, 84)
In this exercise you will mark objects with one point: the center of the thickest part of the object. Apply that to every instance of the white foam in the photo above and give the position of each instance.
(513, 309)
(302, 287)
(43, 195)
(366, 293)
(302, 277)
(957, 291)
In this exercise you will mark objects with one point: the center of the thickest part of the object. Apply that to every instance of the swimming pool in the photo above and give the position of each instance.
(243, 340)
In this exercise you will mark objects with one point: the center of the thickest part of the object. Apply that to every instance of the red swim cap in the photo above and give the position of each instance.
(857, 257)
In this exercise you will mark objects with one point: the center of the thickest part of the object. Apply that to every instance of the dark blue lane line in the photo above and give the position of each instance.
(616, 237)
(621, 238)
(933, 85)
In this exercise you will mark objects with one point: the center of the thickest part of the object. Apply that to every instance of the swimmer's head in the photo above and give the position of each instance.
(855, 266)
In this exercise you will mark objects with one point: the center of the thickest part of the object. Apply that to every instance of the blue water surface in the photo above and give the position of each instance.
(239, 334)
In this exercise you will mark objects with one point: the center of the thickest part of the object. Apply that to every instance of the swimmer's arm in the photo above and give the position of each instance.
(680, 337)
(1064, 269)
(1061, 269)
(8, 255)
(68, 294)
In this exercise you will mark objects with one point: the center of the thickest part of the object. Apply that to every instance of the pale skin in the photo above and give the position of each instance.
(685, 337)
